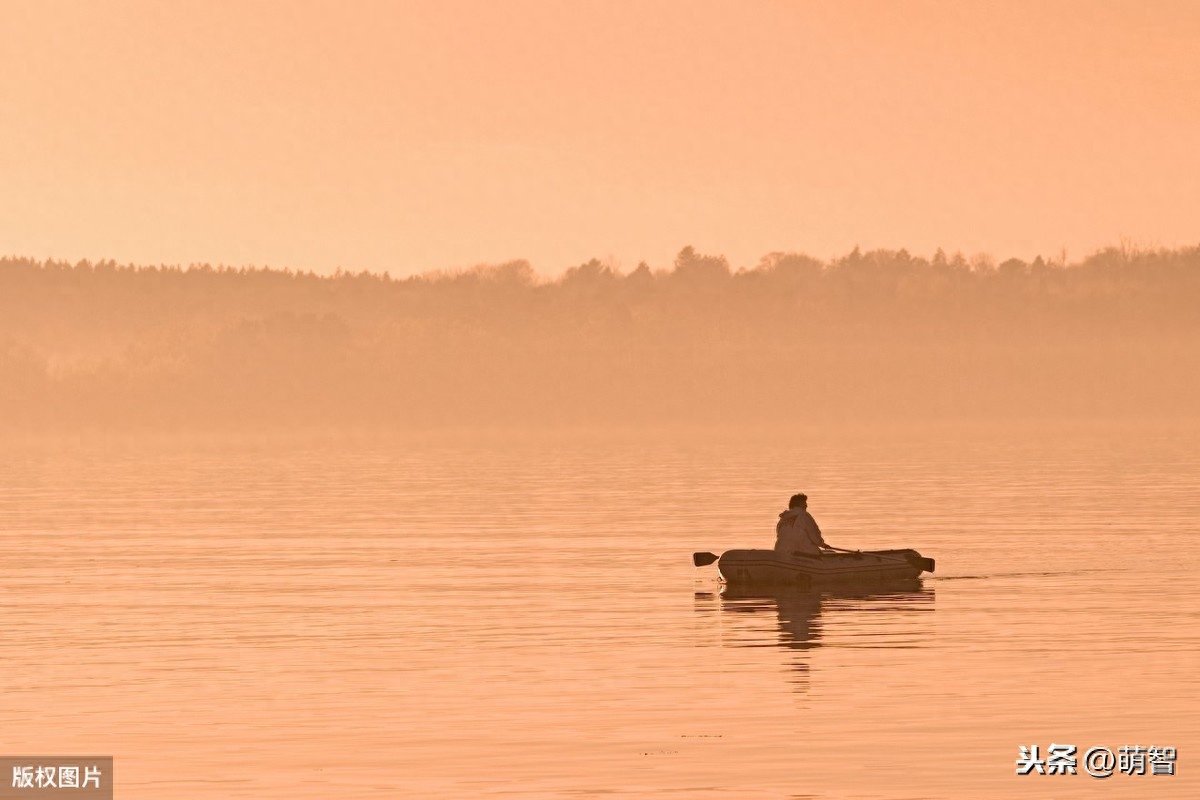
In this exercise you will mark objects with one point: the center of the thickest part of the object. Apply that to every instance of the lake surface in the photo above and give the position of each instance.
(508, 618)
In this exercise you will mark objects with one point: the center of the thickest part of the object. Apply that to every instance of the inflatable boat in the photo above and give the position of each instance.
(768, 568)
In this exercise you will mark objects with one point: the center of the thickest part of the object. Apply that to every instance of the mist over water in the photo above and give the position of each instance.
(877, 336)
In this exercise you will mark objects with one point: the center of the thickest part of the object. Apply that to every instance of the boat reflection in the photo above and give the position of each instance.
(874, 617)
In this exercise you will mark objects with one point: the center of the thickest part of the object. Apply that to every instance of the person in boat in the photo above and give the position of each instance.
(797, 533)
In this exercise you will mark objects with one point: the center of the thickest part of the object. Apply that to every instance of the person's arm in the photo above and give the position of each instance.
(817, 530)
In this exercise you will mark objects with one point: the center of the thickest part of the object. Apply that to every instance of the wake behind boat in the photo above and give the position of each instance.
(843, 567)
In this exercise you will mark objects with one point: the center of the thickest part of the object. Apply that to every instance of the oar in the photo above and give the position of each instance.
(703, 559)
(922, 562)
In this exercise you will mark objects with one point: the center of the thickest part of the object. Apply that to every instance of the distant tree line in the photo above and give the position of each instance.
(879, 334)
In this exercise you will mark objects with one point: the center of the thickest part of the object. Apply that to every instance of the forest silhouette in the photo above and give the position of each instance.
(868, 336)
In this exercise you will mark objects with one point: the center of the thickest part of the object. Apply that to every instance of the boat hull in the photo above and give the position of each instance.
(768, 568)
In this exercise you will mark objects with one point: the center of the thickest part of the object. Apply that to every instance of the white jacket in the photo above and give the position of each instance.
(797, 532)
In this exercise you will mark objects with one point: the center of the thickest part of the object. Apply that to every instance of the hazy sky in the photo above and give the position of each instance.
(412, 136)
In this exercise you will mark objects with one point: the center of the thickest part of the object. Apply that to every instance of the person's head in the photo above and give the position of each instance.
(798, 501)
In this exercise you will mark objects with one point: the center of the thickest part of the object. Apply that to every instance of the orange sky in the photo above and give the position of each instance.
(413, 136)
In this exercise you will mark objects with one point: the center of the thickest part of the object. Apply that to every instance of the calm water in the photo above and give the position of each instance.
(500, 619)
